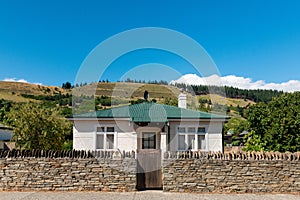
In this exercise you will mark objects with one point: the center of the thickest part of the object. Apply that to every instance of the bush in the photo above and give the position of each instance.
(236, 143)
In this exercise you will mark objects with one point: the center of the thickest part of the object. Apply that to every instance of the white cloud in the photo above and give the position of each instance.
(239, 82)
(19, 81)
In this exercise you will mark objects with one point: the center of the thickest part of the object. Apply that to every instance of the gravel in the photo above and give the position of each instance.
(145, 195)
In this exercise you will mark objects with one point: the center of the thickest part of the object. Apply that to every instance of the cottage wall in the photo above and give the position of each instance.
(84, 134)
(127, 137)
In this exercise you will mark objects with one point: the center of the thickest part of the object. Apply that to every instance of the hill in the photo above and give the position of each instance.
(256, 95)
(121, 93)
(15, 91)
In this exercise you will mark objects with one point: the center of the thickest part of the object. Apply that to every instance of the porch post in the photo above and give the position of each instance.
(163, 142)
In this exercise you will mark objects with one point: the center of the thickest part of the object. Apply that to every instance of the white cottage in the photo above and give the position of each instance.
(149, 125)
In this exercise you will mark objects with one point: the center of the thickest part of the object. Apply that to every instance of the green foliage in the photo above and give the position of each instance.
(236, 143)
(66, 85)
(68, 145)
(275, 126)
(205, 105)
(170, 101)
(137, 101)
(231, 92)
(236, 125)
(61, 99)
(5, 107)
(37, 127)
(65, 111)
(254, 142)
(103, 100)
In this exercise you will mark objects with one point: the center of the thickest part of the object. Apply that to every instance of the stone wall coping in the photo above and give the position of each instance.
(98, 154)
(200, 155)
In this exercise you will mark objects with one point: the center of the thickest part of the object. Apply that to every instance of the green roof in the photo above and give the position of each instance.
(150, 112)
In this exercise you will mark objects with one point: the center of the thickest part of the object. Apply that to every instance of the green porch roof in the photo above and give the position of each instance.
(149, 112)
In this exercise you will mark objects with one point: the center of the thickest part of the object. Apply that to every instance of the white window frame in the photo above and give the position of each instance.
(195, 134)
(105, 133)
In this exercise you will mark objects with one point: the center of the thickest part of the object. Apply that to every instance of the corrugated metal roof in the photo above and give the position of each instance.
(149, 112)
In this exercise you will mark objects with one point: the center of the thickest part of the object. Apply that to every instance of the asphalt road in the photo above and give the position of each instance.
(146, 195)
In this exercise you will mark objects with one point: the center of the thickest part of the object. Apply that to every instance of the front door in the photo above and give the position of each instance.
(149, 175)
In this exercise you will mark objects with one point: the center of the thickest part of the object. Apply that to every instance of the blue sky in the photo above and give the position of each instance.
(46, 41)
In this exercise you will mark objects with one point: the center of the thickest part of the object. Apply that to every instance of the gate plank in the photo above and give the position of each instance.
(149, 169)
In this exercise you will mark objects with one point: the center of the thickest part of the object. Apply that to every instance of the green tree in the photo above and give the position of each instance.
(67, 85)
(4, 108)
(170, 101)
(37, 127)
(275, 126)
(236, 125)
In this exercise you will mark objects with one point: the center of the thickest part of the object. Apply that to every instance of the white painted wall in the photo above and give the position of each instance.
(127, 141)
(84, 134)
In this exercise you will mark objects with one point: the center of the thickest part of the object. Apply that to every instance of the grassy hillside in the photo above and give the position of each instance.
(227, 101)
(129, 90)
(13, 90)
(122, 92)
(132, 91)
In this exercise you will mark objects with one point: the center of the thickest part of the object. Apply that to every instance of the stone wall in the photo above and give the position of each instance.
(239, 172)
(47, 171)
(182, 172)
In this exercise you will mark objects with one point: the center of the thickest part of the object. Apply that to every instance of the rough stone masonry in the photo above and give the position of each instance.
(67, 172)
(241, 172)
(195, 172)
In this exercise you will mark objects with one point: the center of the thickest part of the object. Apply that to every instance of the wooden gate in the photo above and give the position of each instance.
(149, 175)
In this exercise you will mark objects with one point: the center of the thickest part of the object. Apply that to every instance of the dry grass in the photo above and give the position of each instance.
(12, 90)
(26, 88)
(227, 101)
(128, 90)
(11, 97)
(121, 91)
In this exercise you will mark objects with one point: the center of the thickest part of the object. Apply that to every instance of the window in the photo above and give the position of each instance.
(149, 140)
(181, 129)
(100, 141)
(201, 142)
(181, 142)
(110, 141)
(191, 129)
(110, 129)
(201, 130)
(101, 129)
(192, 139)
(191, 142)
(105, 138)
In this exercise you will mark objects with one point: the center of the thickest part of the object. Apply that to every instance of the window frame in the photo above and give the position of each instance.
(105, 134)
(148, 140)
(187, 134)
